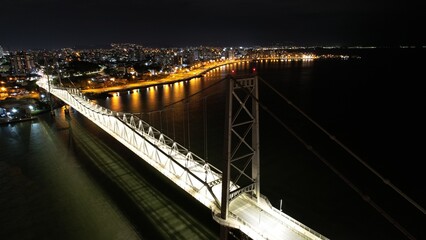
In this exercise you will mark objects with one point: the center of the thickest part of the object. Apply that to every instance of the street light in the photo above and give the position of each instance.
(31, 110)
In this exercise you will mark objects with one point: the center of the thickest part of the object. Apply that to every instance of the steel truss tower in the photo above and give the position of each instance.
(241, 172)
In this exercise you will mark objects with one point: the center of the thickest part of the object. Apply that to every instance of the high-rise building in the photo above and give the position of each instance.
(22, 63)
(1, 52)
(230, 54)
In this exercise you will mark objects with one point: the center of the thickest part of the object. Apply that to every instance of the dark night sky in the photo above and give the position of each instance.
(31, 24)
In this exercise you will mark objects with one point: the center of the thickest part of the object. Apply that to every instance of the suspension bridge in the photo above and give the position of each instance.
(232, 194)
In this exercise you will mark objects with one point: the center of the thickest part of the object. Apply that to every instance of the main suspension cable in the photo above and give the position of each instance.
(333, 138)
(333, 169)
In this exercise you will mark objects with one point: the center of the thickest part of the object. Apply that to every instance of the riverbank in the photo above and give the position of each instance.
(11, 121)
(172, 78)
(21, 110)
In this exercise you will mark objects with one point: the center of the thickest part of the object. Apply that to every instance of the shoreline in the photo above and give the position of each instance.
(18, 120)
(149, 83)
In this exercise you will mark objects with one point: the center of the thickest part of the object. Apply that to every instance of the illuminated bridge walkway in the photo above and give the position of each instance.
(257, 218)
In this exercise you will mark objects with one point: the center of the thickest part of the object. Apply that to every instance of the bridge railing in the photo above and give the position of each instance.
(292, 224)
(296, 225)
(301, 228)
(192, 162)
(196, 176)
(189, 171)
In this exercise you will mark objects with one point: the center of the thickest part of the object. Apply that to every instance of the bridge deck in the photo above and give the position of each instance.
(258, 220)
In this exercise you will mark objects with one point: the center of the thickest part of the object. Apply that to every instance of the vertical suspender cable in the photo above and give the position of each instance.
(167, 124)
(205, 129)
(189, 131)
(173, 123)
(183, 126)
(161, 121)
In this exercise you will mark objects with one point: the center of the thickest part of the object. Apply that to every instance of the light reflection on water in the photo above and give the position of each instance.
(342, 96)
(42, 178)
(52, 197)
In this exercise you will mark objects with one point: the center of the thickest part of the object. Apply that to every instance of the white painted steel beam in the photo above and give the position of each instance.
(257, 219)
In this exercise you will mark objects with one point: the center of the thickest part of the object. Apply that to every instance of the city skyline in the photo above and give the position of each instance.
(50, 24)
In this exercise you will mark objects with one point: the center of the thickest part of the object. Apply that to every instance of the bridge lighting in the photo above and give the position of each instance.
(258, 219)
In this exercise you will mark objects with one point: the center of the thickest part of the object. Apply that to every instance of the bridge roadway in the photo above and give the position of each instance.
(257, 219)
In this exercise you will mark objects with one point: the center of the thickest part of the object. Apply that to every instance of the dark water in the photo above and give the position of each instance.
(64, 178)
(373, 105)
(45, 193)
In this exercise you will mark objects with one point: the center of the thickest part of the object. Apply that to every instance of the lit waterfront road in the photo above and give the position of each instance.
(174, 77)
